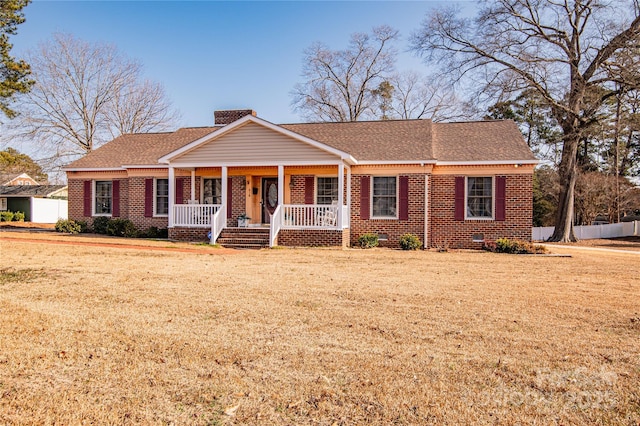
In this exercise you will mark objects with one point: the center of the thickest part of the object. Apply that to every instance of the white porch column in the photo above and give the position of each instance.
(280, 184)
(193, 184)
(340, 193)
(225, 190)
(172, 194)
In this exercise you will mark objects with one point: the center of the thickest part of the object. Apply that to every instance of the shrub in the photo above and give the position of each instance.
(368, 240)
(122, 228)
(68, 226)
(505, 245)
(84, 226)
(100, 224)
(409, 242)
(154, 232)
(6, 216)
(18, 217)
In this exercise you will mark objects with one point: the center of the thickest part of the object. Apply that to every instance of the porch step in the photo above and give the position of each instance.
(244, 238)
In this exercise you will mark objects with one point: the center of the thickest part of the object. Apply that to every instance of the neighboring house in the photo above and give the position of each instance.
(316, 184)
(39, 203)
(9, 179)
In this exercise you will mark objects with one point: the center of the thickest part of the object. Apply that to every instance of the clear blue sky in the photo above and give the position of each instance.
(222, 55)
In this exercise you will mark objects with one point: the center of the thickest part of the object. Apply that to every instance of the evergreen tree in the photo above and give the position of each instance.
(12, 161)
(14, 73)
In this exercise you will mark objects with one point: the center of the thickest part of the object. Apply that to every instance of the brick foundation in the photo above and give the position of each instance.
(189, 234)
(313, 238)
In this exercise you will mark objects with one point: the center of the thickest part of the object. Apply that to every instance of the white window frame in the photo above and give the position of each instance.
(493, 199)
(155, 198)
(202, 179)
(315, 186)
(3, 204)
(372, 195)
(94, 196)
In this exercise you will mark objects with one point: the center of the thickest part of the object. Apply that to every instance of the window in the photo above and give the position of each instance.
(384, 196)
(480, 197)
(162, 197)
(326, 190)
(103, 196)
(3, 204)
(212, 191)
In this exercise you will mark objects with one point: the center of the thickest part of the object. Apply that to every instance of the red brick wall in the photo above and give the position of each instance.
(229, 116)
(76, 200)
(393, 228)
(313, 238)
(445, 231)
(131, 203)
(298, 190)
(189, 234)
(135, 208)
(239, 201)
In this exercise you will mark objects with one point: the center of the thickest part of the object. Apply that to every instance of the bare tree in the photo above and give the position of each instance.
(339, 84)
(415, 96)
(86, 94)
(139, 107)
(599, 194)
(560, 49)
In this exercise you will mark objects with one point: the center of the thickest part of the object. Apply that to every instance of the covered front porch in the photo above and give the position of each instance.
(301, 200)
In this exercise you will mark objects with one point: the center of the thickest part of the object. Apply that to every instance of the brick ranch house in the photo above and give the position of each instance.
(315, 184)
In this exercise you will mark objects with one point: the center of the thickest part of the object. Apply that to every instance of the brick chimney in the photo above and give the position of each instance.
(229, 116)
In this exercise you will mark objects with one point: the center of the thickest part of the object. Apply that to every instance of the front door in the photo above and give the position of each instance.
(269, 198)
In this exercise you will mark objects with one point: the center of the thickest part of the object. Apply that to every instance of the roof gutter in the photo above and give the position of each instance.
(93, 169)
(487, 163)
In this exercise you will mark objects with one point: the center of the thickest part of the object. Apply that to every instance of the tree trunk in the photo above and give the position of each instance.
(568, 174)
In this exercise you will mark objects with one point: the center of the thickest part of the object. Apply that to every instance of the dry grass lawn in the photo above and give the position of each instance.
(121, 335)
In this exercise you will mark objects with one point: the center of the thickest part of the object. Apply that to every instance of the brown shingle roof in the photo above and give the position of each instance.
(480, 141)
(393, 140)
(140, 148)
(29, 190)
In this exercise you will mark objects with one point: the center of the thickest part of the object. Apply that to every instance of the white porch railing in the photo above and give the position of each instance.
(313, 216)
(194, 215)
(275, 225)
(218, 223)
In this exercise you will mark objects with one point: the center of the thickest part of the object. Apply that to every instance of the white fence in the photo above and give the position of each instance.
(613, 230)
(48, 210)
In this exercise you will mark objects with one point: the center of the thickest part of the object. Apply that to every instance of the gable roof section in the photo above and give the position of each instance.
(480, 141)
(374, 141)
(239, 125)
(138, 149)
(6, 178)
(253, 144)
